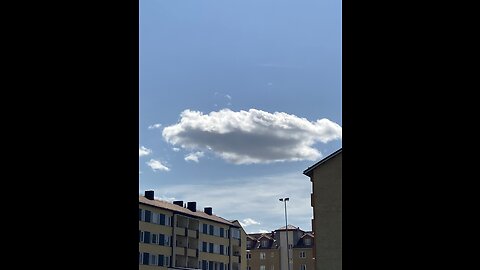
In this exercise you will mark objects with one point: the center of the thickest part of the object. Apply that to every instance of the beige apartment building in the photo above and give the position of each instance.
(178, 236)
(268, 251)
(326, 200)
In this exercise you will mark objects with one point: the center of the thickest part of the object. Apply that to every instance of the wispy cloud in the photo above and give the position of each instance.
(229, 97)
(143, 151)
(263, 231)
(248, 221)
(176, 149)
(252, 136)
(154, 126)
(257, 196)
(157, 165)
(194, 156)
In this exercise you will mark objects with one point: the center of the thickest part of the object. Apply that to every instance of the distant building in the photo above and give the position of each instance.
(178, 236)
(268, 251)
(326, 200)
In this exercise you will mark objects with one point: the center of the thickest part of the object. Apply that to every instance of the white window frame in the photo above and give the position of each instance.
(272, 254)
(262, 267)
(302, 254)
(303, 267)
(141, 238)
(262, 256)
(249, 256)
(153, 259)
(264, 243)
(166, 259)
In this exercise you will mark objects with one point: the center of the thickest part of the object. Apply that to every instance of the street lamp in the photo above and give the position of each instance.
(286, 230)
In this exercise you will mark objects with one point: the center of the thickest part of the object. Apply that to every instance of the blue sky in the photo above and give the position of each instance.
(237, 99)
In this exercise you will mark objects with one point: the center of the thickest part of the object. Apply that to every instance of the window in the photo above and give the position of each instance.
(272, 254)
(249, 244)
(204, 246)
(222, 249)
(222, 232)
(161, 239)
(167, 261)
(154, 238)
(308, 241)
(264, 243)
(205, 228)
(148, 216)
(262, 255)
(272, 267)
(290, 246)
(139, 214)
(160, 259)
(139, 258)
(262, 267)
(211, 230)
(249, 268)
(210, 247)
(140, 236)
(146, 257)
(216, 248)
(303, 267)
(249, 256)
(154, 218)
(216, 231)
(146, 237)
(302, 254)
(153, 259)
(162, 219)
(204, 264)
(236, 233)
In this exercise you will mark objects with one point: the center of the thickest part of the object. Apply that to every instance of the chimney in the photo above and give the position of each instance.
(192, 206)
(149, 194)
(208, 210)
(179, 203)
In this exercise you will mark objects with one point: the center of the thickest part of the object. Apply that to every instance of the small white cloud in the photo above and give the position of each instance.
(176, 149)
(157, 165)
(143, 151)
(154, 126)
(194, 156)
(263, 231)
(229, 97)
(252, 136)
(248, 221)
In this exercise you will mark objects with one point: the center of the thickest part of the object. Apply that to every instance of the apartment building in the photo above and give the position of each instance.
(326, 200)
(178, 236)
(268, 251)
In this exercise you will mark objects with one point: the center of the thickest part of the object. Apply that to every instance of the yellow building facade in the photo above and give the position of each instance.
(178, 236)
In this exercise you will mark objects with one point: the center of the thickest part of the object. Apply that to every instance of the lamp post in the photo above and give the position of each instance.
(286, 230)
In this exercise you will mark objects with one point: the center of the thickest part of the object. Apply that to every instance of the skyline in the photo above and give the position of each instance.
(236, 101)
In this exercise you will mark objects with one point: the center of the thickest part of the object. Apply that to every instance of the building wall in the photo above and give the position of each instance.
(298, 261)
(272, 259)
(186, 239)
(327, 189)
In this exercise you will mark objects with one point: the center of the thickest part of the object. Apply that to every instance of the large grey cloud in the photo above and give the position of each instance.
(252, 136)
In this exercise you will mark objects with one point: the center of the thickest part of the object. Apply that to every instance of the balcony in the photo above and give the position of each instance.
(180, 251)
(192, 233)
(191, 252)
(180, 231)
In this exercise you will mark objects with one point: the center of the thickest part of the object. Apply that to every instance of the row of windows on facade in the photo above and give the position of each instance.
(153, 238)
(272, 267)
(165, 240)
(263, 255)
(265, 243)
(161, 219)
(146, 258)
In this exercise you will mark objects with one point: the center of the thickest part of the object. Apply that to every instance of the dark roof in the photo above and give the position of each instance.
(290, 227)
(308, 171)
(183, 210)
